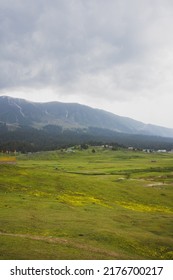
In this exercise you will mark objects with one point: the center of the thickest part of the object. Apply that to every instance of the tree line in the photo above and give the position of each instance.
(28, 139)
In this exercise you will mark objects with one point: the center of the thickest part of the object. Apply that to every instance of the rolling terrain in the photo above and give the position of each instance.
(86, 204)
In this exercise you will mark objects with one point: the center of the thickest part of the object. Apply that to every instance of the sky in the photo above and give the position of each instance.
(115, 55)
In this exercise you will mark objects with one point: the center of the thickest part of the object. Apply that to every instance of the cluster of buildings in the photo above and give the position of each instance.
(151, 150)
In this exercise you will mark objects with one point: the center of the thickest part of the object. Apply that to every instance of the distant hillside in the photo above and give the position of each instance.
(16, 113)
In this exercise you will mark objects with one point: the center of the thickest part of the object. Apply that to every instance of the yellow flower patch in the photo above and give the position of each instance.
(80, 199)
(145, 208)
(7, 159)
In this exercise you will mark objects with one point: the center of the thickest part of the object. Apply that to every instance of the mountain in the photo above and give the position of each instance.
(29, 127)
(15, 113)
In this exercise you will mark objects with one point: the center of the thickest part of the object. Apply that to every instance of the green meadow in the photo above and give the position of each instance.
(80, 204)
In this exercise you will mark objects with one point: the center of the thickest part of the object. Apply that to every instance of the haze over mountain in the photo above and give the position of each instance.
(15, 112)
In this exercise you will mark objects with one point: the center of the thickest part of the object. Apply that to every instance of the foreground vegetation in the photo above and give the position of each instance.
(87, 204)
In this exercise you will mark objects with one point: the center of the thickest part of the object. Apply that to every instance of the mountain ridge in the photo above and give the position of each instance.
(16, 112)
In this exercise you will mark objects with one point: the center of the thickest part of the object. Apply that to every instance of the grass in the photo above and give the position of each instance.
(84, 205)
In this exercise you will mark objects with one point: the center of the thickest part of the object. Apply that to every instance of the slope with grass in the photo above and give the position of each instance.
(78, 204)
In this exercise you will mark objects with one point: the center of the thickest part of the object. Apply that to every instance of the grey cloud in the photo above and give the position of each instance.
(87, 47)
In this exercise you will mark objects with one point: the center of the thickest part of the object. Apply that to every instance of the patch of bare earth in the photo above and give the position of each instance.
(155, 184)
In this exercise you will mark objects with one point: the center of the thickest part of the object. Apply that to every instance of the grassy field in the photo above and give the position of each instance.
(85, 205)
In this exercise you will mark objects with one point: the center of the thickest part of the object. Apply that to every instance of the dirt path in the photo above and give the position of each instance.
(66, 242)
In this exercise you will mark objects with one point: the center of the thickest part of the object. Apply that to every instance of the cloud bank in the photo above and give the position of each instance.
(116, 50)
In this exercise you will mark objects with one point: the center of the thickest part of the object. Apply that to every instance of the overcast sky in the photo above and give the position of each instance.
(115, 55)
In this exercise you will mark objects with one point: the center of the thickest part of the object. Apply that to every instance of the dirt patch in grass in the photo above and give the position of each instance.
(155, 184)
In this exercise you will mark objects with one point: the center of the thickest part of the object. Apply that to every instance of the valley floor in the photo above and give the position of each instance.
(80, 204)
